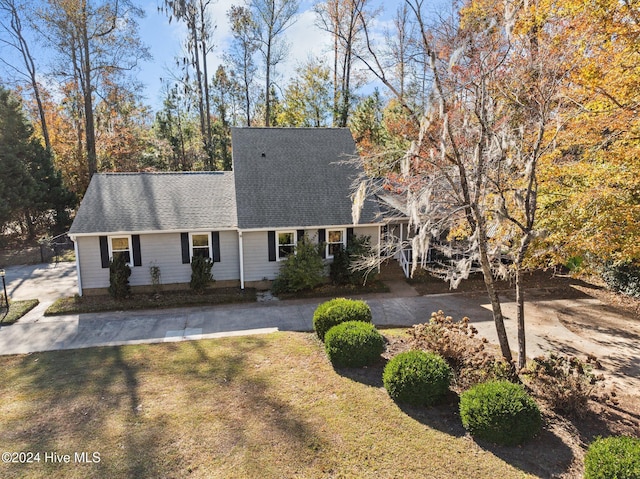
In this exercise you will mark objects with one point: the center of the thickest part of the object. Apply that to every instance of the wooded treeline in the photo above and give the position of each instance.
(545, 91)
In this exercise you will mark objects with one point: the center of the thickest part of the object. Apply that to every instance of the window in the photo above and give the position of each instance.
(335, 241)
(120, 246)
(200, 245)
(286, 244)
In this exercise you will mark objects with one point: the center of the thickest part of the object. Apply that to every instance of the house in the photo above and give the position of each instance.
(285, 183)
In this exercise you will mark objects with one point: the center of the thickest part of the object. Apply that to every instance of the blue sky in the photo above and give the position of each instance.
(163, 39)
(164, 42)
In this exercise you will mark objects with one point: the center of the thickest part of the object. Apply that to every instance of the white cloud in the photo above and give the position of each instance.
(305, 40)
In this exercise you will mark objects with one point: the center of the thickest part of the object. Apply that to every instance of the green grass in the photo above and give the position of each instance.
(17, 310)
(169, 299)
(248, 407)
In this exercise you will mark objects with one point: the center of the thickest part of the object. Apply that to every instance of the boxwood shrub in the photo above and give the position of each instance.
(354, 344)
(416, 377)
(339, 310)
(500, 412)
(613, 457)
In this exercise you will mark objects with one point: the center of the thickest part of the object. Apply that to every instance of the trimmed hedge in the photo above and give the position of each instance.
(416, 377)
(613, 457)
(353, 344)
(339, 310)
(500, 412)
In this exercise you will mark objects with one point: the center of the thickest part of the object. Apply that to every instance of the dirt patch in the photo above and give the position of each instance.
(614, 409)
(545, 281)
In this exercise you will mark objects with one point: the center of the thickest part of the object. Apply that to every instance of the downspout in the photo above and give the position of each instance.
(241, 251)
(379, 245)
(77, 253)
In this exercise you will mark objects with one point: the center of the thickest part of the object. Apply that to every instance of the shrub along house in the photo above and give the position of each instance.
(285, 183)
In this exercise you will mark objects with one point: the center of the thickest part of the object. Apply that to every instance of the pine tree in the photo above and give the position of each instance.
(30, 187)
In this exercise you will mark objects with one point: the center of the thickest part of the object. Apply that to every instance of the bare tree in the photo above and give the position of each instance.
(11, 24)
(95, 41)
(241, 54)
(271, 18)
(343, 20)
(469, 180)
(198, 45)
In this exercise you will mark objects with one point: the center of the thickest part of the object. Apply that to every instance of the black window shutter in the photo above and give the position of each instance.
(104, 252)
(271, 238)
(184, 240)
(215, 243)
(135, 244)
(349, 235)
(322, 237)
(300, 235)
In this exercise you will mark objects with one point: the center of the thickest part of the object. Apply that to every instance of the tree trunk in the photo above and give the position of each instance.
(522, 348)
(267, 92)
(87, 99)
(196, 65)
(203, 43)
(496, 308)
(522, 251)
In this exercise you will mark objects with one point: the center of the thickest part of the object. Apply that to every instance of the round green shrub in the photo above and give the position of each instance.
(613, 457)
(339, 310)
(354, 344)
(500, 412)
(416, 377)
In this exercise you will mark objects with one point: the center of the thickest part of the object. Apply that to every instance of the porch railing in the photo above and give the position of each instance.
(406, 258)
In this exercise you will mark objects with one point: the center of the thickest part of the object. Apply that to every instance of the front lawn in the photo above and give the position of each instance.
(261, 406)
(17, 310)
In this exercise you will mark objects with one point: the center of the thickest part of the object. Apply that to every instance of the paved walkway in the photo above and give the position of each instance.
(616, 345)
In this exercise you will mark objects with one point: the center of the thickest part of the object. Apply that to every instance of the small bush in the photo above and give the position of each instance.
(500, 412)
(353, 344)
(623, 277)
(458, 343)
(339, 310)
(416, 377)
(343, 269)
(200, 273)
(613, 457)
(303, 270)
(119, 272)
(564, 383)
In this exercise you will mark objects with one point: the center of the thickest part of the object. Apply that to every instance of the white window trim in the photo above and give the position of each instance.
(208, 233)
(343, 242)
(109, 243)
(295, 242)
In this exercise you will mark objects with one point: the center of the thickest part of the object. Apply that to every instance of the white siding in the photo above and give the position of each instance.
(256, 257)
(91, 270)
(163, 250)
(229, 265)
(256, 251)
(367, 231)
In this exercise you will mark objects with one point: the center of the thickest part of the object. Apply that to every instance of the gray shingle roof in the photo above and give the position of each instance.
(288, 177)
(120, 202)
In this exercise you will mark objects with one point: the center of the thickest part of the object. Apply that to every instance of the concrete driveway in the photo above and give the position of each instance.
(575, 326)
(45, 282)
